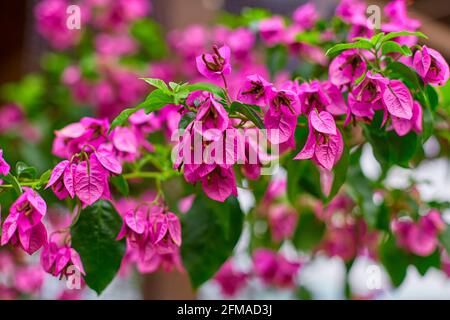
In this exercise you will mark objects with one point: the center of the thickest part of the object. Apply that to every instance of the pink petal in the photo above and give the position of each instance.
(57, 172)
(398, 99)
(89, 186)
(136, 220)
(323, 122)
(174, 228)
(109, 161)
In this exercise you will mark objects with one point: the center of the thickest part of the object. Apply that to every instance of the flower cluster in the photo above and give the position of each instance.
(153, 237)
(421, 237)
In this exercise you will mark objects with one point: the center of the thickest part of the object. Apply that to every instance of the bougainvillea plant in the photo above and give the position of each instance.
(137, 147)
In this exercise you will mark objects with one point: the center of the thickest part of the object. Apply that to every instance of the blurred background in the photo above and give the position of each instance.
(20, 54)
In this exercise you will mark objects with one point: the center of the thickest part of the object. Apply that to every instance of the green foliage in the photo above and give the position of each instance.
(309, 232)
(210, 233)
(121, 185)
(249, 111)
(94, 238)
(149, 35)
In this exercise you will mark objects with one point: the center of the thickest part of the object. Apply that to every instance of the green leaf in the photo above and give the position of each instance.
(423, 264)
(43, 180)
(393, 35)
(186, 119)
(121, 184)
(159, 84)
(150, 36)
(444, 238)
(395, 260)
(14, 182)
(122, 118)
(24, 170)
(392, 46)
(309, 231)
(94, 238)
(277, 59)
(155, 101)
(205, 86)
(389, 148)
(302, 177)
(248, 111)
(210, 233)
(338, 48)
(432, 97)
(376, 38)
(340, 175)
(398, 70)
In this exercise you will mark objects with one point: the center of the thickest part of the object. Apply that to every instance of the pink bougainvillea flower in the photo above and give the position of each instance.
(323, 122)
(305, 16)
(57, 180)
(116, 15)
(216, 65)
(337, 105)
(58, 260)
(281, 118)
(230, 279)
(274, 268)
(72, 138)
(351, 10)
(255, 90)
(240, 40)
(398, 100)
(431, 66)
(325, 149)
(114, 45)
(51, 19)
(399, 21)
(421, 237)
(312, 96)
(165, 232)
(23, 225)
(29, 279)
(211, 119)
(282, 221)
(4, 166)
(220, 184)
(271, 30)
(349, 240)
(90, 180)
(346, 67)
(403, 126)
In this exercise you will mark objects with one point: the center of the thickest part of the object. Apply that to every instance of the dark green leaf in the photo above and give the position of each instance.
(277, 59)
(205, 86)
(159, 84)
(444, 238)
(338, 48)
(94, 238)
(398, 70)
(395, 260)
(309, 231)
(340, 175)
(210, 233)
(122, 118)
(393, 35)
(186, 119)
(150, 36)
(394, 47)
(24, 170)
(423, 264)
(155, 101)
(13, 181)
(248, 111)
(121, 184)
